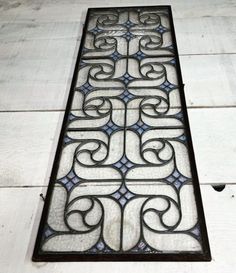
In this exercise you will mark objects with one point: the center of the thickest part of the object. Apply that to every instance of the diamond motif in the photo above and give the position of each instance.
(180, 116)
(85, 50)
(160, 29)
(67, 140)
(86, 88)
(173, 62)
(140, 127)
(182, 138)
(126, 96)
(139, 55)
(128, 36)
(95, 30)
(70, 180)
(124, 164)
(128, 24)
(177, 179)
(110, 127)
(100, 246)
(71, 117)
(142, 247)
(167, 86)
(115, 55)
(82, 64)
(123, 195)
(126, 78)
(196, 231)
(47, 232)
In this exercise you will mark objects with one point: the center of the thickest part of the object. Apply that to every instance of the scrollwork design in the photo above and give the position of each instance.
(124, 175)
(84, 214)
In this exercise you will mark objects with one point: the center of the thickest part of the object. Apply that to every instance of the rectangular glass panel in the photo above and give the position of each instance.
(124, 184)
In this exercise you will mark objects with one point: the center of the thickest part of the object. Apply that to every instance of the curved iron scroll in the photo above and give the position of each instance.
(124, 183)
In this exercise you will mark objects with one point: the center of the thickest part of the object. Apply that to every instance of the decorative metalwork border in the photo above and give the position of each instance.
(205, 255)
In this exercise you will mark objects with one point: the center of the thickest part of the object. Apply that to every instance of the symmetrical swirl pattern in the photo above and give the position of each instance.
(124, 182)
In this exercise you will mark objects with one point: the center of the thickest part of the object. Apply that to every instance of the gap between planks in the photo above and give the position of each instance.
(63, 110)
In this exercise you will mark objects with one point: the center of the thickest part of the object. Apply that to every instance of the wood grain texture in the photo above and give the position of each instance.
(214, 134)
(27, 147)
(21, 215)
(209, 80)
(66, 10)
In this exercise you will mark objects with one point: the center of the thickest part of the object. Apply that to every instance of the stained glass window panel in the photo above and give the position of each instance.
(124, 184)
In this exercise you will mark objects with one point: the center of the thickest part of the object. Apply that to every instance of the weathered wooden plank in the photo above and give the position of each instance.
(209, 80)
(214, 135)
(28, 141)
(27, 147)
(207, 35)
(38, 49)
(20, 215)
(17, 32)
(68, 10)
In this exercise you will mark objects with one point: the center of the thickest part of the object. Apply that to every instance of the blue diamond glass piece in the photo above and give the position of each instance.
(139, 55)
(71, 117)
(176, 174)
(126, 78)
(167, 86)
(124, 160)
(123, 195)
(69, 185)
(86, 88)
(182, 178)
(48, 232)
(177, 184)
(70, 180)
(171, 179)
(182, 138)
(196, 231)
(100, 246)
(128, 36)
(177, 179)
(126, 96)
(82, 64)
(123, 201)
(141, 245)
(123, 165)
(115, 56)
(124, 169)
(96, 30)
(140, 127)
(128, 24)
(116, 195)
(110, 127)
(173, 61)
(67, 140)
(128, 195)
(180, 116)
(160, 29)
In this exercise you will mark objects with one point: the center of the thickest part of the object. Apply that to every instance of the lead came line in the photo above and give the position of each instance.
(124, 184)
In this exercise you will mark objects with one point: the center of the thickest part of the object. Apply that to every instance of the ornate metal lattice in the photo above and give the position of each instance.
(124, 183)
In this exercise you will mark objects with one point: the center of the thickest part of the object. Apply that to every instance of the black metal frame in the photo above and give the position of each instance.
(181, 256)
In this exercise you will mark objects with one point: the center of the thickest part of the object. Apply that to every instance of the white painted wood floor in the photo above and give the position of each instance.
(39, 40)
